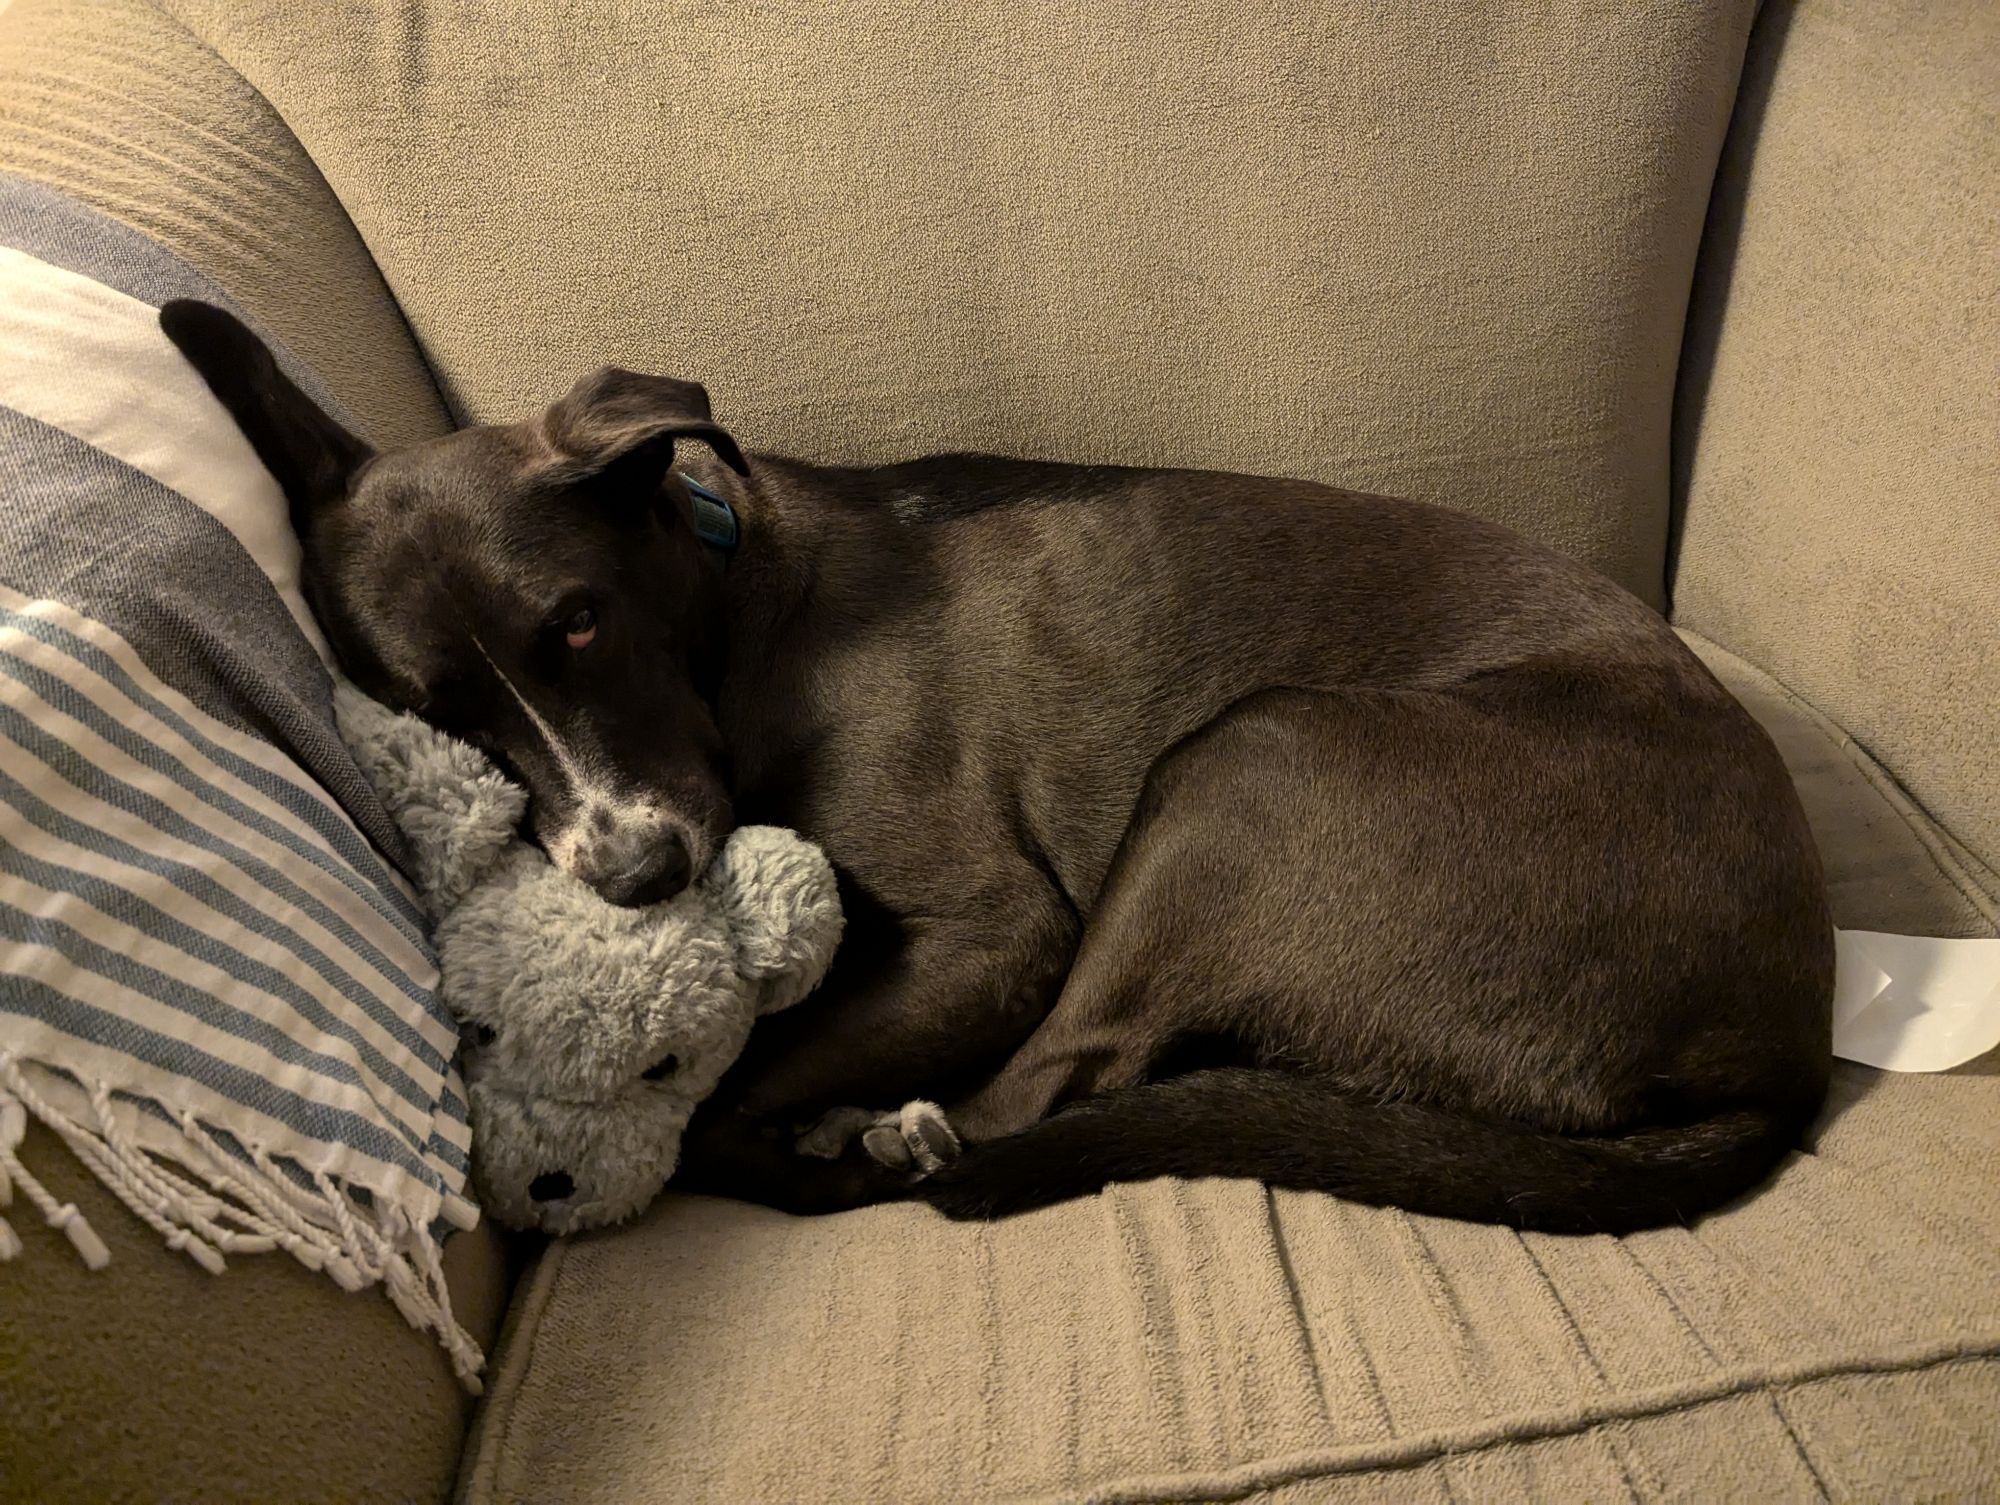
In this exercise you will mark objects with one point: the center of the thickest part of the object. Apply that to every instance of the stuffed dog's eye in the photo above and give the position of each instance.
(579, 627)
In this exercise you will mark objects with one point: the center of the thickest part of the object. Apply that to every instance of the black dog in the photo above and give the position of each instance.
(1188, 824)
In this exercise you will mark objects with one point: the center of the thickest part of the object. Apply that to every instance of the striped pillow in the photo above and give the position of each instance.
(212, 987)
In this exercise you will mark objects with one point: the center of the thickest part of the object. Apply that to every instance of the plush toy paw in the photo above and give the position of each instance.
(916, 1137)
(783, 907)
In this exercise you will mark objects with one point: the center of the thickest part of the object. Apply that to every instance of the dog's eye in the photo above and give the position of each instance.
(579, 627)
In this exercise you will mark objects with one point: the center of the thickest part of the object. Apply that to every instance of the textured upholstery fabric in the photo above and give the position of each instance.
(119, 106)
(1836, 1335)
(153, 1380)
(1436, 251)
(1840, 408)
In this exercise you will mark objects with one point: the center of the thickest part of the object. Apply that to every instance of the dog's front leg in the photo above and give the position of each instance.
(942, 1009)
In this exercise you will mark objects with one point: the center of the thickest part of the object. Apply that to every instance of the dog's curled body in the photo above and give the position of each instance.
(1186, 823)
(1341, 841)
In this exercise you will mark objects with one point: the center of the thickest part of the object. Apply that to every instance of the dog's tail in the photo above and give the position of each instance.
(1304, 1133)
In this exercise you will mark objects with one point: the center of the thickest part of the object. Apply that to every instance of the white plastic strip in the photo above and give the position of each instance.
(1913, 1002)
(87, 359)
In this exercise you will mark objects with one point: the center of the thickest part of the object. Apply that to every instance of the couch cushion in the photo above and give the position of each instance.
(152, 1380)
(1441, 251)
(1838, 433)
(1201, 1340)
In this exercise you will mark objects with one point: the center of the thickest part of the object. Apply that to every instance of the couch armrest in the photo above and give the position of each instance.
(1888, 865)
(125, 110)
(153, 1380)
(1838, 422)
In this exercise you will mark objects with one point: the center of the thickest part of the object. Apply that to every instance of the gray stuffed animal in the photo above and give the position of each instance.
(591, 1031)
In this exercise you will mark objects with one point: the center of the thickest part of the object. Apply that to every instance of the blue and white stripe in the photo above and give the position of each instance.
(156, 895)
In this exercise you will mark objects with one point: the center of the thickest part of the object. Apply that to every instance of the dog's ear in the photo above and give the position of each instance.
(313, 458)
(625, 422)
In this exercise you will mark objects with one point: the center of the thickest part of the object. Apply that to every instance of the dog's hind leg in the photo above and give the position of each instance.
(806, 1121)
(1473, 955)
(1156, 988)
(1250, 918)
(1325, 883)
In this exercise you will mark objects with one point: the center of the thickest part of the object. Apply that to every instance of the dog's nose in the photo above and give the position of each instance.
(663, 872)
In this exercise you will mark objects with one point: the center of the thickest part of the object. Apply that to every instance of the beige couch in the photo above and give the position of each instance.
(1706, 303)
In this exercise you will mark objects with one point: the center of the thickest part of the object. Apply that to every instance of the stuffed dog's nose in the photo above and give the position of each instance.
(662, 873)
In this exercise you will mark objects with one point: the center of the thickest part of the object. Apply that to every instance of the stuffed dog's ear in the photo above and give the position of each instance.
(781, 900)
(313, 458)
(625, 423)
(457, 812)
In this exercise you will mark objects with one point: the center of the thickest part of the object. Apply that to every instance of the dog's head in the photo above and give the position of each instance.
(537, 589)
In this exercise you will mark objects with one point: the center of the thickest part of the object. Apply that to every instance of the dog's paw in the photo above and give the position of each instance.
(829, 1138)
(917, 1137)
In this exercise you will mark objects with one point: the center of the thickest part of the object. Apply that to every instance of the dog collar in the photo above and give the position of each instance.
(714, 519)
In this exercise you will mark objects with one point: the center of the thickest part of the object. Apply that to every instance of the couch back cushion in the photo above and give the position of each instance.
(1840, 420)
(118, 106)
(1419, 249)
